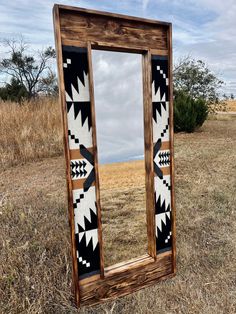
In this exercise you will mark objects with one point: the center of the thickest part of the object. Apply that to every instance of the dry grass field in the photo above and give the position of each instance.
(229, 112)
(29, 131)
(122, 190)
(231, 105)
(35, 263)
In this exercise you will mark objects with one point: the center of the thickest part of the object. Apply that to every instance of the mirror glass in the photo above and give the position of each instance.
(120, 141)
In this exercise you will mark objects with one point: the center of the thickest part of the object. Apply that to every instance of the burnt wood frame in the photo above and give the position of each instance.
(102, 30)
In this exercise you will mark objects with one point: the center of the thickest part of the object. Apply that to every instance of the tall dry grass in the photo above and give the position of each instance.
(29, 131)
(231, 105)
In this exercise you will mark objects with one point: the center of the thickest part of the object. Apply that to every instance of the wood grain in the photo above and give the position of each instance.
(76, 153)
(100, 30)
(140, 20)
(148, 139)
(79, 184)
(173, 210)
(159, 52)
(128, 279)
(57, 33)
(95, 154)
(109, 46)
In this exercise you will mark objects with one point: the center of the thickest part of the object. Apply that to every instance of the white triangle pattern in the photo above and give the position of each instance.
(161, 189)
(160, 125)
(81, 234)
(90, 234)
(156, 97)
(160, 219)
(83, 91)
(80, 131)
(83, 210)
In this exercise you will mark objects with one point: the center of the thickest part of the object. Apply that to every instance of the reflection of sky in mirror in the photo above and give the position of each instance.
(118, 105)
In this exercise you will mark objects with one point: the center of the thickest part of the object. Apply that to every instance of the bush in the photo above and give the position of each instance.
(13, 91)
(202, 111)
(189, 114)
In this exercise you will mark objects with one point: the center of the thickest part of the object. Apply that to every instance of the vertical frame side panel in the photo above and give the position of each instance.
(161, 152)
(82, 170)
(173, 212)
(57, 34)
(148, 141)
(94, 138)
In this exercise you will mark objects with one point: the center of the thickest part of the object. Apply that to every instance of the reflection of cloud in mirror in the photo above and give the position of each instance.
(119, 105)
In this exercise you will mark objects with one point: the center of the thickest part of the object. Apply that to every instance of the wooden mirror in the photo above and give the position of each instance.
(79, 33)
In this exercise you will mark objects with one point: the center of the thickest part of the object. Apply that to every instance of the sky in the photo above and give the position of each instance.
(203, 29)
(118, 105)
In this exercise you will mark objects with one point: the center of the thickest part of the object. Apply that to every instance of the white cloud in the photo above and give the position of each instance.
(145, 4)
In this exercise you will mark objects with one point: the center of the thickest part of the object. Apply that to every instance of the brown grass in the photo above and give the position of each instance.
(122, 190)
(231, 105)
(228, 114)
(29, 131)
(35, 264)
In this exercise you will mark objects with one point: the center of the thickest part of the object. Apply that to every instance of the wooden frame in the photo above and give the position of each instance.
(77, 31)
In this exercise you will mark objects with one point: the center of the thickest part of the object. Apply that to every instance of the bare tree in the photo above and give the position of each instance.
(27, 68)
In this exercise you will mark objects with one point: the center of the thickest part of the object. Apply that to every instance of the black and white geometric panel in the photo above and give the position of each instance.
(75, 68)
(163, 212)
(160, 98)
(85, 211)
(80, 168)
(79, 128)
(161, 158)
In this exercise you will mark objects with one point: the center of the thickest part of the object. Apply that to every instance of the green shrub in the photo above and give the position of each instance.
(189, 114)
(202, 111)
(13, 91)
